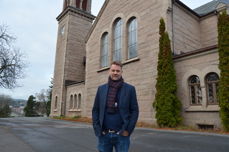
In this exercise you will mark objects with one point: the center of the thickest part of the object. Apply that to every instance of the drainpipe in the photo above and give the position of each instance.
(172, 18)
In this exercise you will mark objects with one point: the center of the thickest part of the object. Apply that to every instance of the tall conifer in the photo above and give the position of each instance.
(167, 105)
(30, 107)
(223, 43)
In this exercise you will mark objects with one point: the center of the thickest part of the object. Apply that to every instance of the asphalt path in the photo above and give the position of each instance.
(48, 135)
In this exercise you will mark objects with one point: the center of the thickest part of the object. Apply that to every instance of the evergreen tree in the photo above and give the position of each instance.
(48, 105)
(5, 101)
(223, 43)
(167, 105)
(5, 111)
(30, 107)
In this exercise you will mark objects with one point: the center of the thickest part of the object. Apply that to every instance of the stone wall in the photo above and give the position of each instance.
(58, 88)
(199, 65)
(209, 33)
(141, 71)
(186, 30)
(70, 54)
(78, 28)
(77, 91)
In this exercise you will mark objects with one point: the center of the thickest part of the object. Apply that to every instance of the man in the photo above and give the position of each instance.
(115, 112)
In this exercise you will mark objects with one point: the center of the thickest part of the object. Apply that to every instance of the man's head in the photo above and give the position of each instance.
(115, 71)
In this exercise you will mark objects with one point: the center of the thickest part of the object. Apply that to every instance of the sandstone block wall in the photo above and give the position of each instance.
(75, 91)
(209, 33)
(199, 65)
(70, 53)
(58, 79)
(186, 30)
(191, 32)
(78, 28)
(141, 71)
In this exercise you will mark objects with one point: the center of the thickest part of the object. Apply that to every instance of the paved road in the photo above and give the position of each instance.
(47, 135)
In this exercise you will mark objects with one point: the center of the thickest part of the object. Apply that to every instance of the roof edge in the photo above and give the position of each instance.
(75, 10)
(186, 7)
(209, 48)
(192, 11)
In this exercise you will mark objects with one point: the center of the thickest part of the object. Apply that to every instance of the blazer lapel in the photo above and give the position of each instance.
(105, 96)
(103, 103)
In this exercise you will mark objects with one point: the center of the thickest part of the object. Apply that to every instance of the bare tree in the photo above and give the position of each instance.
(5, 99)
(42, 99)
(11, 60)
(42, 96)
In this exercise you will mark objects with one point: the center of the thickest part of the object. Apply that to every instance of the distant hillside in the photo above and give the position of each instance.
(18, 102)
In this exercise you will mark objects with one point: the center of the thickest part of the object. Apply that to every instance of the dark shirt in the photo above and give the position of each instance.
(113, 121)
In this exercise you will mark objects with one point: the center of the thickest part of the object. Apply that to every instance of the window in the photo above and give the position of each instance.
(212, 83)
(78, 3)
(62, 30)
(195, 90)
(55, 104)
(75, 101)
(79, 102)
(117, 41)
(132, 38)
(104, 50)
(66, 3)
(84, 5)
(71, 102)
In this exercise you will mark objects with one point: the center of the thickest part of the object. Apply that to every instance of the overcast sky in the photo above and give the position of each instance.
(33, 23)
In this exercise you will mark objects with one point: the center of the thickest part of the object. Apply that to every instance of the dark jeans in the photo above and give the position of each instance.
(110, 140)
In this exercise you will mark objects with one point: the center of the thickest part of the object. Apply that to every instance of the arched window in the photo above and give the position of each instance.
(117, 40)
(195, 90)
(78, 3)
(66, 3)
(55, 104)
(84, 5)
(212, 83)
(132, 38)
(75, 101)
(79, 101)
(71, 102)
(104, 50)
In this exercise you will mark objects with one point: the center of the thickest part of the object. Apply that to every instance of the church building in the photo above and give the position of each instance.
(128, 31)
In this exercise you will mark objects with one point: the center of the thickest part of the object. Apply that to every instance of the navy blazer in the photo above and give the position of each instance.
(128, 107)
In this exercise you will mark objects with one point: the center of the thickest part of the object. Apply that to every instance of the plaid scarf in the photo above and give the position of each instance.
(114, 86)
